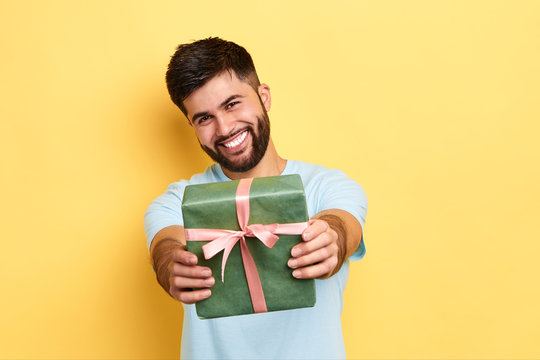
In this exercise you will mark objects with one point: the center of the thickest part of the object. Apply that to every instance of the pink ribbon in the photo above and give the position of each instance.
(221, 239)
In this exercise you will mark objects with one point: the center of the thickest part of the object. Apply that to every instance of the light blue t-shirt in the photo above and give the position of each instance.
(308, 333)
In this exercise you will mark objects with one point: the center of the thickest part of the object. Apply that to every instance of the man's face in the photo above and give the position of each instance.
(231, 121)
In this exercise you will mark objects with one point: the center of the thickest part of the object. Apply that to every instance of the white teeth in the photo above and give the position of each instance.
(236, 141)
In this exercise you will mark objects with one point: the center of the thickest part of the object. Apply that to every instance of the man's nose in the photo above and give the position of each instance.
(224, 125)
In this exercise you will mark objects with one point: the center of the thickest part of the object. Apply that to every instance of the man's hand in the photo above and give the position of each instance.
(317, 255)
(185, 275)
(176, 268)
(330, 238)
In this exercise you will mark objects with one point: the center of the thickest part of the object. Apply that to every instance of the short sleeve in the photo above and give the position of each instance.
(165, 210)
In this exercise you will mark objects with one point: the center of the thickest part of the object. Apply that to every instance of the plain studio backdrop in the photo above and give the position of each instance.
(433, 106)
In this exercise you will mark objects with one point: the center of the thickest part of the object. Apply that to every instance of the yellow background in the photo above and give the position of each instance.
(433, 106)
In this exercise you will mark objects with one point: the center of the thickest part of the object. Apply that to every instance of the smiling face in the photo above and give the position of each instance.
(231, 121)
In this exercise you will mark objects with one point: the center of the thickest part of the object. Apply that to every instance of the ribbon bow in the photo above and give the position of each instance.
(221, 239)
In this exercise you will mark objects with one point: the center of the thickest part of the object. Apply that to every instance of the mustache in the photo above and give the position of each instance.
(232, 134)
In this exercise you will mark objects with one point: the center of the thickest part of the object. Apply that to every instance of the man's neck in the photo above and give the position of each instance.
(271, 164)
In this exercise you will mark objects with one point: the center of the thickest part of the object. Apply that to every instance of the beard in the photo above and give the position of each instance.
(259, 146)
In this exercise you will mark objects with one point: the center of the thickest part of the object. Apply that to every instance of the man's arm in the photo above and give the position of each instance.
(176, 268)
(331, 237)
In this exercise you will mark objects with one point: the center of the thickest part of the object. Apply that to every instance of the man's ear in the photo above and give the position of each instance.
(264, 94)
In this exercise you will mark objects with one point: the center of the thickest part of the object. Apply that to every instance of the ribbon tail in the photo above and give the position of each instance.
(227, 250)
(253, 280)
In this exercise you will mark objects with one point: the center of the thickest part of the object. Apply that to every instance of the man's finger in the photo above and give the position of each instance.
(314, 228)
(180, 269)
(313, 257)
(180, 282)
(318, 242)
(317, 270)
(192, 296)
(184, 257)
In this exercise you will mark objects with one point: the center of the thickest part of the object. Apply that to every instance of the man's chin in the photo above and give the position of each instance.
(238, 163)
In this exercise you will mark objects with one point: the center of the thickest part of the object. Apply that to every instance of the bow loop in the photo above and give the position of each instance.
(225, 239)
(265, 233)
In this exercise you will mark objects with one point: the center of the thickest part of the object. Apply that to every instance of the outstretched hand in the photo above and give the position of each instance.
(186, 275)
(318, 255)
(176, 268)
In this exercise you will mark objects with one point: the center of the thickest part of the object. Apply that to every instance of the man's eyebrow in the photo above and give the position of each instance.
(230, 98)
(199, 114)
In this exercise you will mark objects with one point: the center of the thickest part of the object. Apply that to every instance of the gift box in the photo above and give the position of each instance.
(244, 231)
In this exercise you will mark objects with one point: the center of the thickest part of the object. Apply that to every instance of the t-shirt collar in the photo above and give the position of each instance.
(220, 175)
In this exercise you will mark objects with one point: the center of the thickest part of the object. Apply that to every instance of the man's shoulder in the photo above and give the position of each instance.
(302, 167)
(213, 173)
(311, 172)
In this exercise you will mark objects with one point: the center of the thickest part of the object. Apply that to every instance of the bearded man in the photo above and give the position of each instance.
(215, 85)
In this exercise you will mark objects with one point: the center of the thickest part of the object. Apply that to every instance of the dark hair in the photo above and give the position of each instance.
(194, 64)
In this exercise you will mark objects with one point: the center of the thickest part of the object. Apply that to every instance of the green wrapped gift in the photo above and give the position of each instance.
(253, 224)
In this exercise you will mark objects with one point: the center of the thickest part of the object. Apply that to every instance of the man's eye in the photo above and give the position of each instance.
(231, 104)
(203, 119)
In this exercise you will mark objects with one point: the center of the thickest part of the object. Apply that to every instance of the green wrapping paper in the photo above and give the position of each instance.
(276, 199)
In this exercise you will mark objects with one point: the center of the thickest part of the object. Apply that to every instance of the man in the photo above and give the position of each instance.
(215, 84)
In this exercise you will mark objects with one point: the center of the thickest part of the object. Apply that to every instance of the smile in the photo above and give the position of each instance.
(237, 140)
